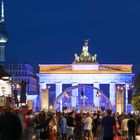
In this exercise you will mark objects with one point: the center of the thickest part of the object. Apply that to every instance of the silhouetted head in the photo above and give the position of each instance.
(109, 112)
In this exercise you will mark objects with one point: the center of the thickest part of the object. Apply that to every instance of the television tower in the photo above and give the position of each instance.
(3, 34)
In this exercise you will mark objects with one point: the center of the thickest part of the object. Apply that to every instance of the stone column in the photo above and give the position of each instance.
(58, 92)
(95, 98)
(42, 89)
(35, 104)
(74, 98)
(113, 96)
(126, 97)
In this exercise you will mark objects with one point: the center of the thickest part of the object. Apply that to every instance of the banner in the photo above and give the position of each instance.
(30, 104)
(1, 101)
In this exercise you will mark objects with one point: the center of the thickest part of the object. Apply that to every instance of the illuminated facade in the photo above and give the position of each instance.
(24, 72)
(85, 70)
(5, 93)
(5, 88)
(17, 72)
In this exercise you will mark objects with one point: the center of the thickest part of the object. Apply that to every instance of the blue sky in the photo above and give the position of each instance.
(51, 31)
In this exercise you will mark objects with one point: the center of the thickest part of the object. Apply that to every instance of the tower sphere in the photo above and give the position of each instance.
(3, 33)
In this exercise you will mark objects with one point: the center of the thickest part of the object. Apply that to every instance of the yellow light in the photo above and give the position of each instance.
(132, 86)
(97, 95)
(5, 78)
(127, 86)
(118, 87)
(66, 94)
(50, 106)
(17, 86)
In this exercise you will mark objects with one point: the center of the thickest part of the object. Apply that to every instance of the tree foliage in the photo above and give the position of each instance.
(136, 98)
(136, 103)
(137, 84)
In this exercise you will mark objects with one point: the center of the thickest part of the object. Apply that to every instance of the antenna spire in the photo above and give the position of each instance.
(2, 10)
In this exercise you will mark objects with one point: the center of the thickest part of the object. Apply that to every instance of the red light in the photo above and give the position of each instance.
(115, 104)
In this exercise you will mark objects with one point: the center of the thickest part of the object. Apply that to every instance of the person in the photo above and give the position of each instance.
(28, 125)
(138, 127)
(124, 127)
(63, 126)
(37, 121)
(78, 127)
(97, 123)
(131, 124)
(108, 122)
(10, 126)
(44, 126)
(70, 125)
(53, 127)
(88, 127)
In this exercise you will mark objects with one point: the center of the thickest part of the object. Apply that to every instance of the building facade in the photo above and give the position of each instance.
(24, 72)
(86, 71)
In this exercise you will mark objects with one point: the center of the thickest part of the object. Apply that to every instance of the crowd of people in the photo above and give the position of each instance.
(16, 125)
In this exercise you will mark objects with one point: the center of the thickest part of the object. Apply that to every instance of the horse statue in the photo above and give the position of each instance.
(77, 58)
(94, 58)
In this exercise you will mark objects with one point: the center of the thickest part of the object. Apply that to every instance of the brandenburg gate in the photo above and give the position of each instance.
(86, 70)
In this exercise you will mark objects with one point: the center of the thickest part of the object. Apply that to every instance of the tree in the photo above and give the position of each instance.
(136, 94)
(15, 96)
(23, 92)
(137, 84)
(136, 103)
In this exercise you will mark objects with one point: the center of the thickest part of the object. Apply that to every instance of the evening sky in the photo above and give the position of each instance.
(51, 31)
